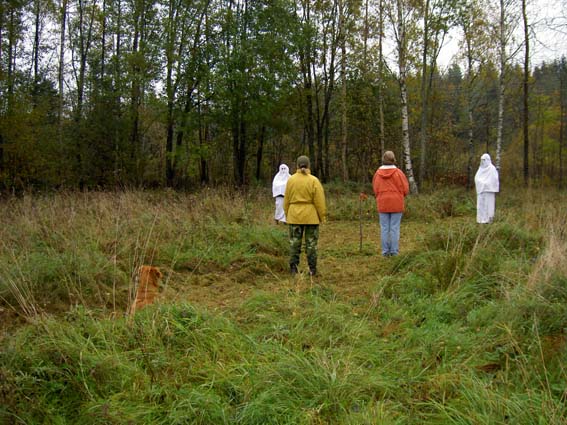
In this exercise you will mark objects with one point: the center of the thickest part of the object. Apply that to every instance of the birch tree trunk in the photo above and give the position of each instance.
(402, 67)
(405, 133)
(501, 85)
(525, 115)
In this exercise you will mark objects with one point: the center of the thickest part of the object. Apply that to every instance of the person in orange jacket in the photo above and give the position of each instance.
(390, 187)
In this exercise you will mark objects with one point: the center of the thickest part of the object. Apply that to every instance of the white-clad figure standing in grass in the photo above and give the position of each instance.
(278, 191)
(487, 185)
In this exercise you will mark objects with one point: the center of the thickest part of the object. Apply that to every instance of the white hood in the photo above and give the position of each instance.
(280, 181)
(486, 178)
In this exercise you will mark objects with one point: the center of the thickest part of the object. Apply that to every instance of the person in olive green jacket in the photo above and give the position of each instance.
(305, 209)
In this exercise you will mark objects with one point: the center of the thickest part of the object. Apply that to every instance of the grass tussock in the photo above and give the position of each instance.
(73, 249)
(467, 325)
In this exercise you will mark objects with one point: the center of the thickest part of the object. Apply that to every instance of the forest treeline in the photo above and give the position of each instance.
(179, 93)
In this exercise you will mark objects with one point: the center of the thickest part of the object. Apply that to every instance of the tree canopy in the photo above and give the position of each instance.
(179, 93)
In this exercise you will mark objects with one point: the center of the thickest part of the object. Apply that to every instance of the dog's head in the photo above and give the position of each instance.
(150, 275)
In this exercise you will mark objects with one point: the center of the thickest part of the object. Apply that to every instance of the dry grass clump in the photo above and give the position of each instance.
(67, 249)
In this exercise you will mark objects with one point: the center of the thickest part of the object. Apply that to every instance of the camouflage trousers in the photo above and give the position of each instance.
(296, 232)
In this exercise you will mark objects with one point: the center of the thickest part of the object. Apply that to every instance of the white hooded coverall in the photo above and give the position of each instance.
(278, 191)
(487, 185)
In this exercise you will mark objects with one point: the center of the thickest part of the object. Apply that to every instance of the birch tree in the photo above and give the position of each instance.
(503, 41)
(403, 17)
(526, 78)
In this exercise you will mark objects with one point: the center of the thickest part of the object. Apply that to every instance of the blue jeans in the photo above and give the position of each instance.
(390, 232)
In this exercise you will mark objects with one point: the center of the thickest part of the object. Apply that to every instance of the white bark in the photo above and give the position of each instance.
(402, 57)
(501, 86)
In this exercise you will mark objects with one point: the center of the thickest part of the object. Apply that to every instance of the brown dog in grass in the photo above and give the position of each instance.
(147, 289)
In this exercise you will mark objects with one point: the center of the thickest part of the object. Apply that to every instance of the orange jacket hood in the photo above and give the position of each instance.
(386, 173)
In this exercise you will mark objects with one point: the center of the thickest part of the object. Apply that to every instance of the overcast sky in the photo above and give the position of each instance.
(548, 19)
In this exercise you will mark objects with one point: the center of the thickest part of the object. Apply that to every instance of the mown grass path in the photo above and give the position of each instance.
(344, 267)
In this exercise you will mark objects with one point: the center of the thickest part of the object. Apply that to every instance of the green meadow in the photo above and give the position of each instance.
(468, 325)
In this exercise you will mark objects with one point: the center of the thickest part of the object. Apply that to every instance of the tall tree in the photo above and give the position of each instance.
(183, 61)
(526, 79)
(319, 50)
(472, 20)
(403, 17)
(344, 113)
(143, 64)
(501, 81)
(81, 38)
(254, 69)
(325, 83)
(306, 61)
(81, 29)
(61, 65)
(505, 30)
(36, 39)
(13, 17)
(437, 17)
(562, 71)
(381, 77)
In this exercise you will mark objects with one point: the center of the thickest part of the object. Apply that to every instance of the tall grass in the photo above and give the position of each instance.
(467, 325)
(72, 249)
